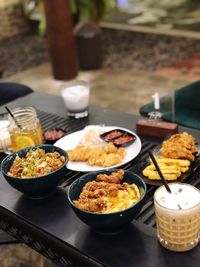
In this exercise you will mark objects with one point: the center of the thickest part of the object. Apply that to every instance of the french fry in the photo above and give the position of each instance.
(171, 168)
(155, 176)
(164, 167)
(149, 173)
(184, 169)
(181, 162)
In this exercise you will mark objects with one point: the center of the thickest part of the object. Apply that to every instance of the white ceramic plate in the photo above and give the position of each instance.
(70, 141)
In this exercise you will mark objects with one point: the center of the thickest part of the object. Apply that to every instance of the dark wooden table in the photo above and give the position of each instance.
(50, 226)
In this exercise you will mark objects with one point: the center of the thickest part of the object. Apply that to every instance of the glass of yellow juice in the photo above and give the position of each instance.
(27, 131)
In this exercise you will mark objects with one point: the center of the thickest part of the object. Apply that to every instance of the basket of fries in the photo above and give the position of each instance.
(175, 158)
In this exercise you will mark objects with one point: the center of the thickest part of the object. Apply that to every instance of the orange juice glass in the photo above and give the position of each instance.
(27, 131)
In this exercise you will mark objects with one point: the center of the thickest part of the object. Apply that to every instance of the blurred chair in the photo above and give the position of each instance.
(11, 91)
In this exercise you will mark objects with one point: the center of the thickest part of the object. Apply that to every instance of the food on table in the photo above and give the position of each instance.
(125, 139)
(181, 162)
(52, 135)
(105, 156)
(112, 134)
(115, 177)
(179, 146)
(176, 155)
(20, 141)
(95, 150)
(36, 163)
(118, 137)
(170, 168)
(91, 136)
(107, 194)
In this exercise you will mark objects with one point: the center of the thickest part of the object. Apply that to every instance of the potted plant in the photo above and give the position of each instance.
(34, 11)
(82, 10)
(85, 11)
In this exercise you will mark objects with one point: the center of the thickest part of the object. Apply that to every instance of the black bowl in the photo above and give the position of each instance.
(37, 187)
(111, 222)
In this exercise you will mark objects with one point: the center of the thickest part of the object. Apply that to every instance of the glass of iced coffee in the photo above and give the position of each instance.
(75, 95)
(178, 216)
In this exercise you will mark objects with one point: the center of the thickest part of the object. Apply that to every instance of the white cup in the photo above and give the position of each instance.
(76, 98)
(178, 216)
(5, 142)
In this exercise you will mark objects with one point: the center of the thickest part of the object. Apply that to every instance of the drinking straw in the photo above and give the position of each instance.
(19, 126)
(159, 172)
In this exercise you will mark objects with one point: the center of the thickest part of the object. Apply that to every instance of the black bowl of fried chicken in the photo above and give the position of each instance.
(107, 200)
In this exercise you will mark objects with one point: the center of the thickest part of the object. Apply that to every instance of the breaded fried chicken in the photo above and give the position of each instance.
(179, 146)
(114, 177)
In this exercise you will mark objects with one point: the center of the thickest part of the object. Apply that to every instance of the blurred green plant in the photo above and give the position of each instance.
(34, 11)
(90, 9)
(82, 10)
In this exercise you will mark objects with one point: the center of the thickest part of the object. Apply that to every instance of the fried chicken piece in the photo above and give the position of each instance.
(179, 146)
(114, 177)
(90, 204)
(93, 185)
(93, 194)
(94, 155)
(121, 151)
(110, 148)
(97, 189)
(112, 190)
(112, 159)
(80, 153)
(106, 156)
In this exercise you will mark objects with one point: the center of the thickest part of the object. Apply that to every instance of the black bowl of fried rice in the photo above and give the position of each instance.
(35, 171)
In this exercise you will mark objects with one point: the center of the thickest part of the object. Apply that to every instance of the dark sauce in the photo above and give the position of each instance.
(52, 135)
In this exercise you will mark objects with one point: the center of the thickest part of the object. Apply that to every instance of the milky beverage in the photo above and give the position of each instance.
(178, 216)
(76, 99)
(5, 142)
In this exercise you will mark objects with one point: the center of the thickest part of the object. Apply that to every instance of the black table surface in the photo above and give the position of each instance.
(53, 223)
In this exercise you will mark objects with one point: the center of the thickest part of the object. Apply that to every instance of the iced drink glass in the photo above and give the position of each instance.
(5, 142)
(178, 216)
(76, 98)
(27, 131)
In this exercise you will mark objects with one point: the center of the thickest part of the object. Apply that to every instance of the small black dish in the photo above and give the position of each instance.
(119, 137)
(52, 135)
